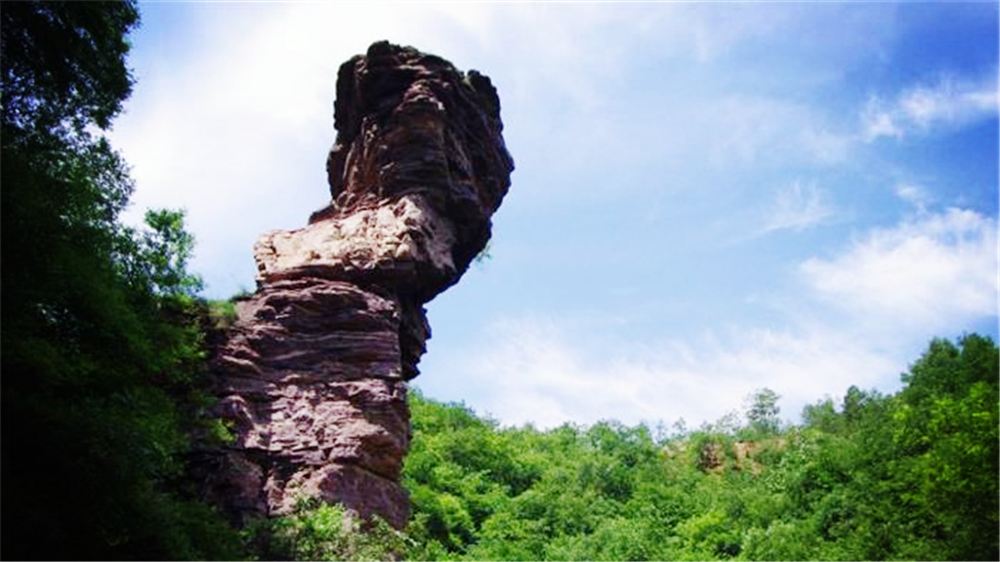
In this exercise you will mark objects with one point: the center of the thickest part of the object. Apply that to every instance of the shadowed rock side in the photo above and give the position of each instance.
(311, 378)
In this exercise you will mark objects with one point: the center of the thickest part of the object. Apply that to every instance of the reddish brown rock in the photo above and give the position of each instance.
(312, 376)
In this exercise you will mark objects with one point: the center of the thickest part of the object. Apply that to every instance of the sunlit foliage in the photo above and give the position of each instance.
(907, 476)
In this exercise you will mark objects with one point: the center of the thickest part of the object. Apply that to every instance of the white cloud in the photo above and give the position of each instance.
(536, 372)
(797, 207)
(862, 316)
(878, 121)
(948, 103)
(914, 195)
(934, 271)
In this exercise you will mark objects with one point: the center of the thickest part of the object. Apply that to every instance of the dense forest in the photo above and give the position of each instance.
(911, 475)
(103, 356)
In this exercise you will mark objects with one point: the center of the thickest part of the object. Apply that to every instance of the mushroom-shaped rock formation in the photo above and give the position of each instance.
(311, 378)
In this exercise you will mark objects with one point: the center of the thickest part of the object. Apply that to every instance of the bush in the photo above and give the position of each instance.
(319, 531)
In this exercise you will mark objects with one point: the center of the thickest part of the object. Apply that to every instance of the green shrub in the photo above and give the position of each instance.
(321, 531)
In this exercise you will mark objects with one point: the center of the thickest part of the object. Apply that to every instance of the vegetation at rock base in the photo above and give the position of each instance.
(318, 531)
(103, 351)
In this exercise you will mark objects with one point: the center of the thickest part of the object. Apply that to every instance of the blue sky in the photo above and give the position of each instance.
(709, 198)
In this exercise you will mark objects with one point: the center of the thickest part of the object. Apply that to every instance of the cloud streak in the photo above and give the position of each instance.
(918, 110)
(798, 207)
(537, 373)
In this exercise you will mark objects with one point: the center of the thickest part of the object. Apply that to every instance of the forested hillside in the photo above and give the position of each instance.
(911, 475)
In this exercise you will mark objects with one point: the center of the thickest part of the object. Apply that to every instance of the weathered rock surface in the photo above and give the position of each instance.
(312, 376)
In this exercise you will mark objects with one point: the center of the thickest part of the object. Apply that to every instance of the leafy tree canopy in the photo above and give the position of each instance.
(100, 345)
(64, 63)
(906, 476)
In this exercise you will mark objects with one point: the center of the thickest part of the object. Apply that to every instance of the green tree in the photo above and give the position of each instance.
(945, 434)
(64, 64)
(762, 411)
(100, 349)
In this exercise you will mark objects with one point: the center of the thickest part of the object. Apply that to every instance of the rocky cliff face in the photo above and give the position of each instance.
(312, 376)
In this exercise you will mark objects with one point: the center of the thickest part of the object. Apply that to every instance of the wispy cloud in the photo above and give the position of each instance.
(537, 372)
(936, 270)
(754, 130)
(914, 195)
(877, 120)
(948, 103)
(797, 207)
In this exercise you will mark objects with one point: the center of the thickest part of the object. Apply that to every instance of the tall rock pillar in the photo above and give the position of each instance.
(312, 376)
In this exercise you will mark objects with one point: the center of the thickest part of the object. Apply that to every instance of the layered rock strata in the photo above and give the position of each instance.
(311, 378)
